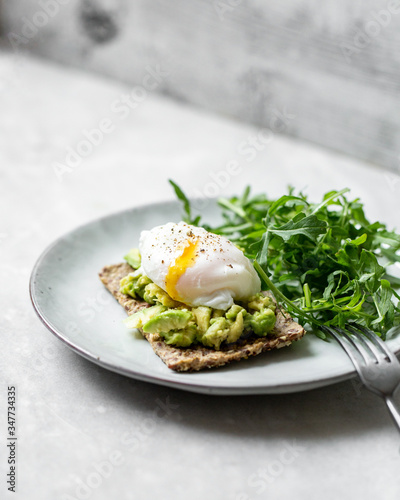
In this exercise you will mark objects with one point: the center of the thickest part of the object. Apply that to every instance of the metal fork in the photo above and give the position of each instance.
(377, 366)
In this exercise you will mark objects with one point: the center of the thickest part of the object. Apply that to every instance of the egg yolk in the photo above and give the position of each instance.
(178, 267)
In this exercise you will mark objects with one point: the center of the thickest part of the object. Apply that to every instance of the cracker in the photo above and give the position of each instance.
(199, 357)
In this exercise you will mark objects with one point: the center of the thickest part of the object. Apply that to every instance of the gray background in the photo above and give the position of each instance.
(332, 64)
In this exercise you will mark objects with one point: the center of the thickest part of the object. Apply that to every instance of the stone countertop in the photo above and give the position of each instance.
(84, 432)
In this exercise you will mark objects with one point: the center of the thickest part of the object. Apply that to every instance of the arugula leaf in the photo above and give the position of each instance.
(327, 262)
(330, 198)
(309, 226)
(186, 203)
(283, 201)
(384, 302)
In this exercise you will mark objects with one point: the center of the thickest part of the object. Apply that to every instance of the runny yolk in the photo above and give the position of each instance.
(178, 267)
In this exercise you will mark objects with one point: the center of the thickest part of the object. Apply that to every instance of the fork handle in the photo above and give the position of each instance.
(394, 412)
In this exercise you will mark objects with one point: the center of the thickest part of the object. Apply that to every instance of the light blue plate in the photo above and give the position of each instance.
(74, 305)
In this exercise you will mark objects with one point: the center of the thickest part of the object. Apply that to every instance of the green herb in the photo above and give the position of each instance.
(186, 205)
(327, 262)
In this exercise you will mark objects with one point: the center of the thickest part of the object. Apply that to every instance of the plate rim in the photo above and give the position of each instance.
(160, 380)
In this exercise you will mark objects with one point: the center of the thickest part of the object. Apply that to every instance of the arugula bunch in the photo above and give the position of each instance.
(325, 261)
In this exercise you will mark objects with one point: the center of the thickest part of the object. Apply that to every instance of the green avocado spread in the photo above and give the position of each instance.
(181, 325)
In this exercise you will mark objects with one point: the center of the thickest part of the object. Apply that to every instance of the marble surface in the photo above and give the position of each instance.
(84, 432)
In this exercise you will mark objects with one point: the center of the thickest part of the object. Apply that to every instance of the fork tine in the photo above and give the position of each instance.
(377, 341)
(361, 346)
(368, 351)
(349, 346)
(367, 341)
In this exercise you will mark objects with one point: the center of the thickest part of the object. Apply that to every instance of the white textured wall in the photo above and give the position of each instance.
(330, 68)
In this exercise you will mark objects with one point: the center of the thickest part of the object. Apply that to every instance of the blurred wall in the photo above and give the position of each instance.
(328, 72)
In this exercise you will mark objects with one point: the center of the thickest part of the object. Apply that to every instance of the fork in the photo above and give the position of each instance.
(377, 366)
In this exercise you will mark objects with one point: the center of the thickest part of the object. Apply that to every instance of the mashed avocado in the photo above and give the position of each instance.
(183, 326)
(133, 258)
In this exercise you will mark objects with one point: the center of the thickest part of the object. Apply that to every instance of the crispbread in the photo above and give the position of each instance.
(196, 358)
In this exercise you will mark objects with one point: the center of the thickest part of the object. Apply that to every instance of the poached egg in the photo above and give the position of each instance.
(196, 267)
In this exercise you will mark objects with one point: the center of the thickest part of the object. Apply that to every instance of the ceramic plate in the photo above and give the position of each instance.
(74, 305)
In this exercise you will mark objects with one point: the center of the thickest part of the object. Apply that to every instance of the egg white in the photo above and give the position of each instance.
(217, 274)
